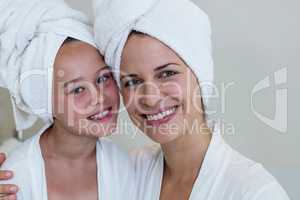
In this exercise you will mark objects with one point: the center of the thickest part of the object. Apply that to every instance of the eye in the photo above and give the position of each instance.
(78, 90)
(103, 78)
(166, 74)
(132, 83)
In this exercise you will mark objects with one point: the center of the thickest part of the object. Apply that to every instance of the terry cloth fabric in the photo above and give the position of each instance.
(31, 33)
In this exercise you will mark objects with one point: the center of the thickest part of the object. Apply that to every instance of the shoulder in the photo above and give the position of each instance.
(18, 161)
(116, 158)
(145, 158)
(114, 153)
(272, 191)
(146, 154)
(8, 145)
(19, 156)
(119, 167)
(251, 179)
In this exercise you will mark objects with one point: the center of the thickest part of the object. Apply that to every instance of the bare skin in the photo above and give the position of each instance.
(155, 78)
(183, 161)
(79, 159)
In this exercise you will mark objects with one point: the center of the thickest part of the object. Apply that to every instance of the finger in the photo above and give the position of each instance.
(8, 189)
(5, 175)
(9, 197)
(2, 158)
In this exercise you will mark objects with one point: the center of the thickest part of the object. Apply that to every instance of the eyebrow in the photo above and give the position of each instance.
(81, 78)
(129, 75)
(73, 81)
(159, 68)
(164, 66)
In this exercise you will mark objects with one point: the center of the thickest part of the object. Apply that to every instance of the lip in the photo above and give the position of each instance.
(160, 110)
(104, 119)
(102, 110)
(164, 120)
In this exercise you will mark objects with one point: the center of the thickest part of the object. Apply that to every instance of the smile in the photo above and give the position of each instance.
(100, 115)
(161, 117)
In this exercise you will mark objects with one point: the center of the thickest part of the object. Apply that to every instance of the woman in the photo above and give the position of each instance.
(65, 159)
(162, 50)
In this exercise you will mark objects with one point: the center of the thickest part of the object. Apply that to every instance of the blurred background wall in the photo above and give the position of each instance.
(255, 52)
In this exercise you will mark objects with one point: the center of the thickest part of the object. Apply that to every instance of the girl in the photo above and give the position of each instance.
(65, 159)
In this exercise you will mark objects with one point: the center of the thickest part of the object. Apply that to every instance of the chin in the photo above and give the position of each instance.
(162, 137)
(99, 135)
(99, 126)
(97, 130)
(91, 134)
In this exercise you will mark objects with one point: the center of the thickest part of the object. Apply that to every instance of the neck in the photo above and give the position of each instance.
(58, 143)
(185, 155)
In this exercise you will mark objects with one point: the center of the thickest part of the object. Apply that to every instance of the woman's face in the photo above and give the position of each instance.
(86, 98)
(161, 93)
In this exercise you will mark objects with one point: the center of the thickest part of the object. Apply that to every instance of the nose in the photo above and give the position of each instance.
(151, 95)
(97, 96)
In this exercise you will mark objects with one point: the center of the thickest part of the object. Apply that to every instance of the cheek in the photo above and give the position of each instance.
(62, 110)
(80, 101)
(76, 107)
(129, 99)
(70, 109)
(193, 98)
(176, 88)
(56, 106)
(111, 91)
(57, 101)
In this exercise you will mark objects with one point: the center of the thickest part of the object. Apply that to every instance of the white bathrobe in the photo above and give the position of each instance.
(225, 175)
(115, 171)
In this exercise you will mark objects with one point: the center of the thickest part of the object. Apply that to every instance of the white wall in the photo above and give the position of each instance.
(252, 40)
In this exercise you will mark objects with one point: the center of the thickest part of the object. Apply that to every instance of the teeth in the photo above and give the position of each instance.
(161, 115)
(100, 115)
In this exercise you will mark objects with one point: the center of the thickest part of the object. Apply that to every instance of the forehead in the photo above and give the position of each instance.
(145, 52)
(77, 58)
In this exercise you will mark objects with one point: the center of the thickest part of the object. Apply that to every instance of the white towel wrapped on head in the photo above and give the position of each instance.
(179, 24)
(31, 33)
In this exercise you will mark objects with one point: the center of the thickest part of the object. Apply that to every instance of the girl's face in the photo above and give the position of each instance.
(161, 93)
(86, 98)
